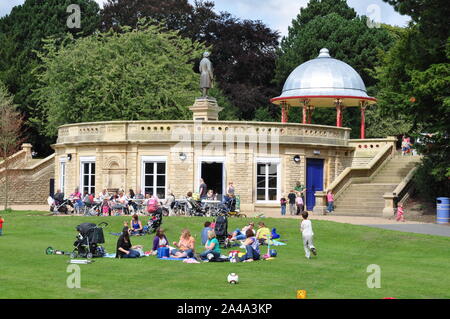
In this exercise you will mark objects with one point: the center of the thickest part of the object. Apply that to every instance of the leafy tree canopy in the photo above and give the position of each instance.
(414, 80)
(21, 34)
(133, 75)
(243, 51)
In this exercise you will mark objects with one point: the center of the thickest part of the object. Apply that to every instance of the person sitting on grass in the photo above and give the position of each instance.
(160, 240)
(251, 247)
(263, 233)
(240, 234)
(211, 247)
(136, 225)
(185, 246)
(206, 229)
(124, 247)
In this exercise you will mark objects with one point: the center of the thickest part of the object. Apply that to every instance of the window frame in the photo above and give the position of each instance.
(266, 161)
(154, 160)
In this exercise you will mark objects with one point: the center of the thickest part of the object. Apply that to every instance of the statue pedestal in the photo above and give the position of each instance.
(205, 109)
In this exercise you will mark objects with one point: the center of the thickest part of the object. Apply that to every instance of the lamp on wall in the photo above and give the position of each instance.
(297, 159)
(69, 157)
(182, 156)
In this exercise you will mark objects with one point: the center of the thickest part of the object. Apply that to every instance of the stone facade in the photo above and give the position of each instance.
(120, 148)
(29, 179)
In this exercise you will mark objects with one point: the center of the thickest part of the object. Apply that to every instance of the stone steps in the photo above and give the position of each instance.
(366, 199)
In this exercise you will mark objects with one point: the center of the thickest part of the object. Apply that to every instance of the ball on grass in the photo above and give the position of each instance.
(233, 278)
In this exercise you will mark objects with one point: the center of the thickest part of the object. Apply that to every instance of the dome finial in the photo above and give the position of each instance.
(324, 53)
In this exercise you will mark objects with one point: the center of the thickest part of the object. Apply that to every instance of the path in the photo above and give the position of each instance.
(378, 222)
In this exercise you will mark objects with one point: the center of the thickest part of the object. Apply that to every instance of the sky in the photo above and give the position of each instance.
(277, 14)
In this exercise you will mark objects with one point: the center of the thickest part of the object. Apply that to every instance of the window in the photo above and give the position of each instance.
(87, 175)
(267, 181)
(154, 177)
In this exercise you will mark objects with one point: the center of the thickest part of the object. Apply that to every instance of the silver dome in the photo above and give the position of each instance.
(322, 80)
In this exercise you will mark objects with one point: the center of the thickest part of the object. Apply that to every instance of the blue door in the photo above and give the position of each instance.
(314, 180)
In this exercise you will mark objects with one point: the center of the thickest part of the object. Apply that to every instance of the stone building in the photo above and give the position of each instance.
(264, 160)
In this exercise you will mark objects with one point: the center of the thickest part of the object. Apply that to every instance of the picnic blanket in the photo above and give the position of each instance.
(275, 242)
(142, 254)
(172, 258)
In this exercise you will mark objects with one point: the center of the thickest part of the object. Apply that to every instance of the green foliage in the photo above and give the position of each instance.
(21, 34)
(379, 126)
(414, 80)
(243, 52)
(133, 75)
(321, 8)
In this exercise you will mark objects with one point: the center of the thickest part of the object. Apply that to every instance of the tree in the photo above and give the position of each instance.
(10, 135)
(133, 75)
(321, 8)
(243, 51)
(414, 80)
(334, 25)
(21, 34)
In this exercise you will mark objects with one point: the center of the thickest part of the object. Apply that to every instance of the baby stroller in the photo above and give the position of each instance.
(89, 240)
(154, 222)
(57, 207)
(221, 230)
(194, 208)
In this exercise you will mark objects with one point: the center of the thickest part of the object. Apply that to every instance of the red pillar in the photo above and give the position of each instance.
(284, 115)
(363, 120)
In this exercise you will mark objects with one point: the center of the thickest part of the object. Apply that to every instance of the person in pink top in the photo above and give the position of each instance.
(1, 225)
(400, 214)
(330, 201)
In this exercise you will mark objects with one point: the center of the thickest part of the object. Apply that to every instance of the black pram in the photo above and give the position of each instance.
(221, 230)
(154, 222)
(89, 240)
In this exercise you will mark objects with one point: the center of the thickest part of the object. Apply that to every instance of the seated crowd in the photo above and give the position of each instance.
(118, 203)
(249, 239)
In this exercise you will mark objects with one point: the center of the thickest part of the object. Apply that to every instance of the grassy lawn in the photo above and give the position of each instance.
(412, 265)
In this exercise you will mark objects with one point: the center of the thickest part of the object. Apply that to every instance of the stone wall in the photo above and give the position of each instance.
(29, 184)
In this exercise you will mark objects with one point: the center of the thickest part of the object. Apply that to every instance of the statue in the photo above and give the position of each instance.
(206, 74)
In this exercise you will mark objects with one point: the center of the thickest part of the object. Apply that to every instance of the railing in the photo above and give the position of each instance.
(350, 174)
(399, 195)
(173, 131)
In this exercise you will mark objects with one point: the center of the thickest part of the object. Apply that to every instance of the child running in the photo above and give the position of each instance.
(307, 234)
(400, 213)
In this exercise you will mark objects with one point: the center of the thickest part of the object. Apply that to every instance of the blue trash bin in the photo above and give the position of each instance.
(443, 210)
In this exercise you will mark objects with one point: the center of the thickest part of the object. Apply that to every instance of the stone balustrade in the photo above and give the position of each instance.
(175, 131)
